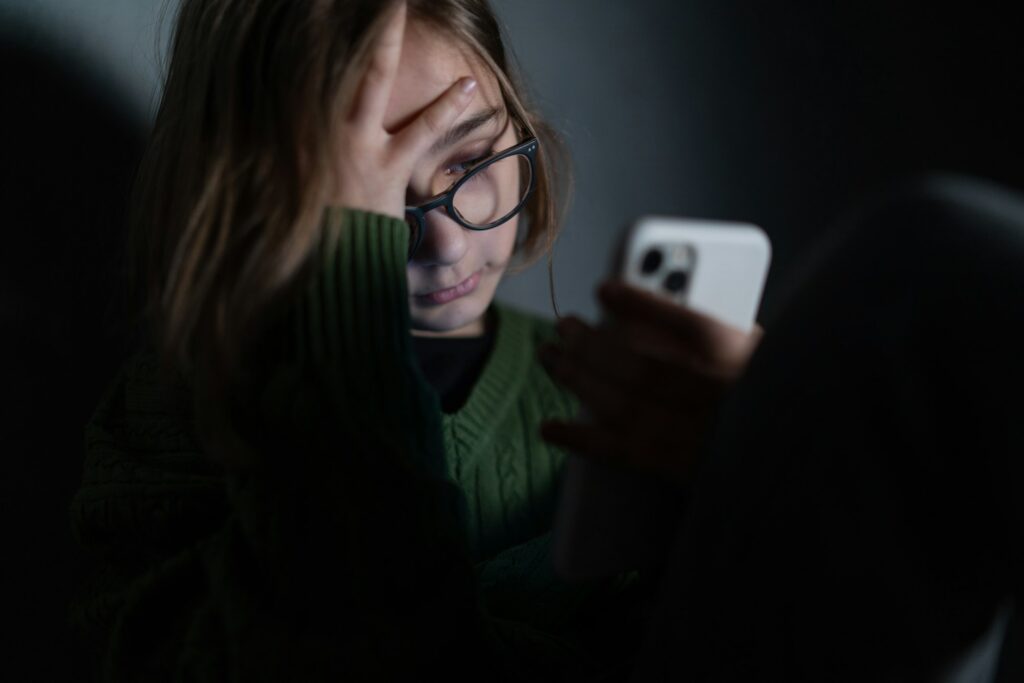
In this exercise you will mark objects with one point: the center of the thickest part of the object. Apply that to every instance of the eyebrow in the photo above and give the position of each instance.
(464, 128)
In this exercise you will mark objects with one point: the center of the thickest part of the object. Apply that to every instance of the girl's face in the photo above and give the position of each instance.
(454, 273)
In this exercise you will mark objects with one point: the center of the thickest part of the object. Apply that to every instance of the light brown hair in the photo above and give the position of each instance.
(230, 192)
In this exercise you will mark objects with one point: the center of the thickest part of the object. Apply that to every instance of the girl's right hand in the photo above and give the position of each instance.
(651, 382)
(373, 165)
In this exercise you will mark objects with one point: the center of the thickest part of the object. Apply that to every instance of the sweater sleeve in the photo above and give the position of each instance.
(337, 551)
(352, 326)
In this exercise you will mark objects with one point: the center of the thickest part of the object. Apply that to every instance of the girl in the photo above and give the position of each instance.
(330, 463)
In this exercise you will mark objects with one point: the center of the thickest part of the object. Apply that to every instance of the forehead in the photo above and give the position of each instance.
(431, 62)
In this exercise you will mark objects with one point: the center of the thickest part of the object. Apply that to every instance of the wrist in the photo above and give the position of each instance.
(371, 209)
(389, 204)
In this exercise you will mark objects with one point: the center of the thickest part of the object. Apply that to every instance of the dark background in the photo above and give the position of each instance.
(780, 113)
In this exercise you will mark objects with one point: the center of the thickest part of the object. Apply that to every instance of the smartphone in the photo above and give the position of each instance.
(610, 520)
(714, 267)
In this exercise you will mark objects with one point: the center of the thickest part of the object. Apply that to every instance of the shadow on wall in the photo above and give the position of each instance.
(70, 149)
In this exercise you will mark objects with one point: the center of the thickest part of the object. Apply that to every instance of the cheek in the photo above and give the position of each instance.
(497, 244)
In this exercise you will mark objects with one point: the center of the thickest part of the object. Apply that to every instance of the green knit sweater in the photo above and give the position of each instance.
(366, 533)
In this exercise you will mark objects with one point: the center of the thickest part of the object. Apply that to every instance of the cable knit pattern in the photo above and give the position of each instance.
(493, 446)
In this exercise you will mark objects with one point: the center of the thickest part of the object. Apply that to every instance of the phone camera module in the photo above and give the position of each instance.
(652, 261)
(676, 281)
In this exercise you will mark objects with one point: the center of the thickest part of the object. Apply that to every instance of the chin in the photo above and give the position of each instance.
(451, 316)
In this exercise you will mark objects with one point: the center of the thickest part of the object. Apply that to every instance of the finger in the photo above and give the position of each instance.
(378, 81)
(620, 351)
(638, 416)
(591, 441)
(607, 354)
(602, 398)
(598, 443)
(630, 305)
(417, 137)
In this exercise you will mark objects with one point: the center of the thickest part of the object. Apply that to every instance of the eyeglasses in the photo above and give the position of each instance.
(491, 193)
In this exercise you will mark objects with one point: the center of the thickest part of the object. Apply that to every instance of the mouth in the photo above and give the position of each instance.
(443, 296)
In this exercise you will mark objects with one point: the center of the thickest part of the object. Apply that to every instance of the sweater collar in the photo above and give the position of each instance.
(497, 387)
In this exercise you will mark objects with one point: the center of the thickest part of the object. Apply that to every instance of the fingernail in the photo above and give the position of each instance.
(468, 85)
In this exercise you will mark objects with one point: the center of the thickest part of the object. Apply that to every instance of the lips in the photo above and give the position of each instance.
(443, 296)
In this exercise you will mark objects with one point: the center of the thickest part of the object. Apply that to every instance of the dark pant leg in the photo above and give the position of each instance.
(859, 514)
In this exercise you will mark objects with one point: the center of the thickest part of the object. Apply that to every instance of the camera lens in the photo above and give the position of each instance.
(652, 261)
(676, 281)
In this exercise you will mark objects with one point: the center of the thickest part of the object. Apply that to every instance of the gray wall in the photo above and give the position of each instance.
(613, 77)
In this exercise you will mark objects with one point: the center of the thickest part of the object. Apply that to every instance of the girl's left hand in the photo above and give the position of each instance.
(650, 382)
(372, 165)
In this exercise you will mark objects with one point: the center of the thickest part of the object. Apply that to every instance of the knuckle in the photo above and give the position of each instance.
(432, 121)
(377, 71)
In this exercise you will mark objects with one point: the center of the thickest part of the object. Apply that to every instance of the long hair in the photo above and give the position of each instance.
(228, 200)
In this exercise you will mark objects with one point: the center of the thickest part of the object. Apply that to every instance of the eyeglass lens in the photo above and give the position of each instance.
(493, 192)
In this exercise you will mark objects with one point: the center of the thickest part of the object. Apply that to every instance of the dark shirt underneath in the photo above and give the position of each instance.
(452, 365)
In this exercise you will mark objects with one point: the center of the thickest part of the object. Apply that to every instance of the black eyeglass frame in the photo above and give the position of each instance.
(526, 148)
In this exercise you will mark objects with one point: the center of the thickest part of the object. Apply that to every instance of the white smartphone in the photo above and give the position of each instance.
(610, 520)
(715, 267)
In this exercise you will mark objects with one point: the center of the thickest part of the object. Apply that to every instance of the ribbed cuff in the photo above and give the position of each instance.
(356, 305)
(352, 326)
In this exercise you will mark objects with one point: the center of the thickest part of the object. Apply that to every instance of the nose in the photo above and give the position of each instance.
(444, 243)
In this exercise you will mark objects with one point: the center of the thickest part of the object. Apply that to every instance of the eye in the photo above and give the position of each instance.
(463, 167)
